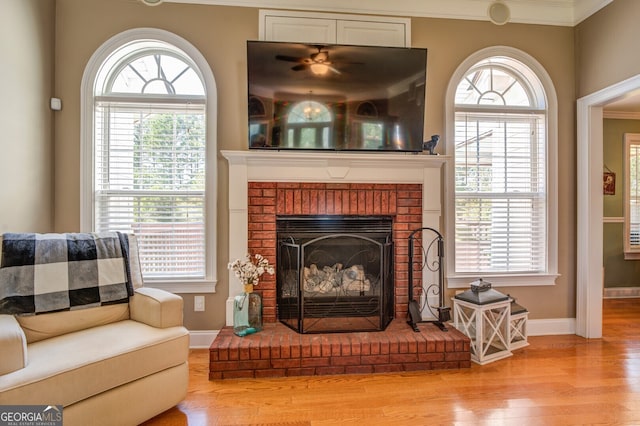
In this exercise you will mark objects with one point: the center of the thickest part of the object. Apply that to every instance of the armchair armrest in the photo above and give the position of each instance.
(13, 345)
(155, 307)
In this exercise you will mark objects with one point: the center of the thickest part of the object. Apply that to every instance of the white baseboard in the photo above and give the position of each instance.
(202, 339)
(621, 292)
(546, 327)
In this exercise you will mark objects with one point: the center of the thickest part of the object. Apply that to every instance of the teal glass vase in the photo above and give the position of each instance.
(247, 312)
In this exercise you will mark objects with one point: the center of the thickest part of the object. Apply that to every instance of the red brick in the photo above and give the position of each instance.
(385, 347)
(321, 371)
(255, 364)
(358, 369)
(315, 362)
(275, 348)
(287, 185)
(326, 346)
(417, 366)
(286, 363)
(224, 366)
(345, 345)
(242, 374)
(345, 360)
(457, 356)
(271, 372)
(356, 347)
(337, 203)
(301, 371)
(254, 351)
(296, 349)
(387, 368)
(243, 350)
(305, 203)
(338, 185)
(336, 347)
(402, 358)
(316, 346)
(431, 357)
(305, 351)
(374, 359)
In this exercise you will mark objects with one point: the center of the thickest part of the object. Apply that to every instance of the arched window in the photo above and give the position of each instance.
(503, 173)
(148, 112)
(308, 125)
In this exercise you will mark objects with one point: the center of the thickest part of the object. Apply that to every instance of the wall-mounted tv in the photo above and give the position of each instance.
(335, 97)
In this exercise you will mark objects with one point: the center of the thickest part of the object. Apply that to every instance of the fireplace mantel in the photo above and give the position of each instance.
(333, 167)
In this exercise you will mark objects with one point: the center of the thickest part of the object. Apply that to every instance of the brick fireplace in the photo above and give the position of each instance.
(407, 186)
(267, 184)
(267, 200)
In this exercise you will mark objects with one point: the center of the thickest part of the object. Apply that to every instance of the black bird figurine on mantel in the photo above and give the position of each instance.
(431, 144)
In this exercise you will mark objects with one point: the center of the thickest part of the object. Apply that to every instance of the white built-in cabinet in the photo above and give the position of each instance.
(326, 28)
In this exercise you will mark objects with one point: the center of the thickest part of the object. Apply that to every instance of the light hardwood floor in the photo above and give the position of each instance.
(556, 380)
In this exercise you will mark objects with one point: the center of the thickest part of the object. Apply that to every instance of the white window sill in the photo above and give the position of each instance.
(464, 281)
(183, 287)
(631, 255)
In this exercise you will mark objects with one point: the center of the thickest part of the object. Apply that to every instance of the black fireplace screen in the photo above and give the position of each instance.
(335, 273)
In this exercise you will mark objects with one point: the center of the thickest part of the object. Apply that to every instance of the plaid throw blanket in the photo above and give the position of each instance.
(55, 272)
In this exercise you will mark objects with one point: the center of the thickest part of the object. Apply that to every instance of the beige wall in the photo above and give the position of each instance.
(220, 34)
(607, 46)
(26, 145)
(450, 42)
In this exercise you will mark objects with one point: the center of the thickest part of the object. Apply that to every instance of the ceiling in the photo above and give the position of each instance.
(545, 12)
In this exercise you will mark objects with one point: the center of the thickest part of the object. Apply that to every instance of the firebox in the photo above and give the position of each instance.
(334, 273)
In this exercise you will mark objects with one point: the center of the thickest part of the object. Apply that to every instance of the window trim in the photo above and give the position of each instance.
(630, 253)
(208, 285)
(459, 280)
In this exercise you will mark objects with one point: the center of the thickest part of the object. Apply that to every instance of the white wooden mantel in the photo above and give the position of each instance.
(327, 167)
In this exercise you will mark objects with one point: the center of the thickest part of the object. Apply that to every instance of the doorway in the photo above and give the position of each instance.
(590, 204)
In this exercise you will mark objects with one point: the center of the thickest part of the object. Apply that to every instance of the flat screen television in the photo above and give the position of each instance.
(335, 97)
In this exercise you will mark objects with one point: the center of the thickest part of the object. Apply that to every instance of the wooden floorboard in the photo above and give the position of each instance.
(556, 380)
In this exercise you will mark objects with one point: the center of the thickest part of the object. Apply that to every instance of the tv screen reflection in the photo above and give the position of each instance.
(334, 97)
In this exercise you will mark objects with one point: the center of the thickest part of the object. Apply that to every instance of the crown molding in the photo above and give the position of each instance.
(543, 12)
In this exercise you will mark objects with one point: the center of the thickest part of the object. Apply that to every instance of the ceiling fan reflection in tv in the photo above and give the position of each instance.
(317, 62)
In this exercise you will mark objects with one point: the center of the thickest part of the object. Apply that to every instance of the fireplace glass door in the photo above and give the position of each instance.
(334, 273)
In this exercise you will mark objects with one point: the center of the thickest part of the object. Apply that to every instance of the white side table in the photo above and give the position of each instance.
(518, 326)
(487, 323)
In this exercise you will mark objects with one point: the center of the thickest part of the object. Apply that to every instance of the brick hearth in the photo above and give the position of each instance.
(278, 351)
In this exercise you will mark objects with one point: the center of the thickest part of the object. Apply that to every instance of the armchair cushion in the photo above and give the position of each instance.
(45, 326)
(13, 342)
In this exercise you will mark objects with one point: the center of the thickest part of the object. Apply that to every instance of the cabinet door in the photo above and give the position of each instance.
(372, 33)
(297, 29)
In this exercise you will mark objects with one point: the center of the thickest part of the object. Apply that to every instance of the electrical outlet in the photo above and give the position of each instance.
(198, 303)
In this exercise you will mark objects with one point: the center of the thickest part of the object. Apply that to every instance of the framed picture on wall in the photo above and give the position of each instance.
(609, 183)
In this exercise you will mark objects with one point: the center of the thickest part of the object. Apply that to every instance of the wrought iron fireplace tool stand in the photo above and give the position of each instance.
(437, 265)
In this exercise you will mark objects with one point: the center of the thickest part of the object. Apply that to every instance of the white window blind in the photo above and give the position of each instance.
(632, 197)
(150, 180)
(500, 193)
